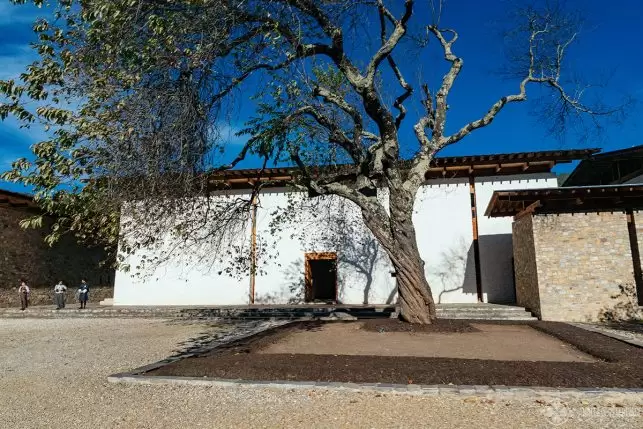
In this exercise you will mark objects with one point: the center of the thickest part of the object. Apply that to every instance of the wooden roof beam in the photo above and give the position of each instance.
(528, 210)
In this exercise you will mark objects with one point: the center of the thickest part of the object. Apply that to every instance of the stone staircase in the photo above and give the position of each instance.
(447, 311)
(483, 311)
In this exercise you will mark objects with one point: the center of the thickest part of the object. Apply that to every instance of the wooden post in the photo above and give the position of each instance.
(636, 256)
(476, 244)
(253, 249)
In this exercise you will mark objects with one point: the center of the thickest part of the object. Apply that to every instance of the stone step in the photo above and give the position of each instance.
(488, 317)
(479, 312)
(50, 315)
(187, 314)
(508, 313)
(508, 309)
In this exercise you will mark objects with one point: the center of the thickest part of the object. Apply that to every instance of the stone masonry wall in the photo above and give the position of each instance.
(23, 254)
(583, 262)
(525, 270)
(45, 296)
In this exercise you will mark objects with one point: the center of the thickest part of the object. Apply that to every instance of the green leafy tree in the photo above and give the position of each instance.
(134, 93)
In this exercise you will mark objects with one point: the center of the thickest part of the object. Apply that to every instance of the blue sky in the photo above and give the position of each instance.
(609, 44)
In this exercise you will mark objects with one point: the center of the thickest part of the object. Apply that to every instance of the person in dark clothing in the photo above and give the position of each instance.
(83, 294)
(23, 292)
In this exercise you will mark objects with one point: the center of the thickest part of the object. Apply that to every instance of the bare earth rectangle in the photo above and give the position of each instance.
(494, 342)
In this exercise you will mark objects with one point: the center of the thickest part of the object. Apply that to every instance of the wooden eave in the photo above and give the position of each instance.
(441, 168)
(565, 200)
(591, 169)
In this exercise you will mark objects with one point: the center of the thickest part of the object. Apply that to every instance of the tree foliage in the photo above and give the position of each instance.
(135, 93)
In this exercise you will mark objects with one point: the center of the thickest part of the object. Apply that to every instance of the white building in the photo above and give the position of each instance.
(468, 258)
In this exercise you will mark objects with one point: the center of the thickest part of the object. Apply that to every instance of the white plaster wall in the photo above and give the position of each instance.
(363, 267)
(444, 232)
(442, 218)
(186, 279)
(496, 246)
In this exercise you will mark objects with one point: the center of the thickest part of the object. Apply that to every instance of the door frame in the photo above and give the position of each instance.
(317, 256)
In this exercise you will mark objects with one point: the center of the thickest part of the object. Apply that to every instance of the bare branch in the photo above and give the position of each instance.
(436, 13)
(449, 78)
(427, 121)
(335, 133)
(363, 85)
(540, 71)
(303, 51)
(370, 136)
(390, 44)
(408, 89)
(488, 117)
(337, 100)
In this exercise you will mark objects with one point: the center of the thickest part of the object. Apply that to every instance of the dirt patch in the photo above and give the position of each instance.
(247, 360)
(493, 342)
(396, 325)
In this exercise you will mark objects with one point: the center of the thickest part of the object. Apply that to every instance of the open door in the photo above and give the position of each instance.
(321, 277)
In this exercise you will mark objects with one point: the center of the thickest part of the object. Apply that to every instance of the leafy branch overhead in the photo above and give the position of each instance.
(137, 95)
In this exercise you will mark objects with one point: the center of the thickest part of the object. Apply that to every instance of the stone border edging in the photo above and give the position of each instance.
(623, 338)
(403, 389)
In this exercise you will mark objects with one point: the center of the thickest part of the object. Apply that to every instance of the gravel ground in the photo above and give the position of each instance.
(53, 375)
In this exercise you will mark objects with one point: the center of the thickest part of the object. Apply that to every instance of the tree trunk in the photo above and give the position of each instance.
(415, 298)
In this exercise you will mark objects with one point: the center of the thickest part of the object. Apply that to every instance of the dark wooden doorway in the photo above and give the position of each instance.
(636, 256)
(321, 277)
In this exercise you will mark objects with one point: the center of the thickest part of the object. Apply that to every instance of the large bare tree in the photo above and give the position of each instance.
(136, 92)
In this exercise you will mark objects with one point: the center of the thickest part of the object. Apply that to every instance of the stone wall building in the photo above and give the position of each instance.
(576, 250)
(24, 254)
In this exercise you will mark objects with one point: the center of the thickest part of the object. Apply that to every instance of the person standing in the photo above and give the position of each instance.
(23, 292)
(83, 294)
(59, 295)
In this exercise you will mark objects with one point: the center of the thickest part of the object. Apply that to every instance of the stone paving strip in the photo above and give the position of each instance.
(72, 311)
(496, 392)
(631, 337)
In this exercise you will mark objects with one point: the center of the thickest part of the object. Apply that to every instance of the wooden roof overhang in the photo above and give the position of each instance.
(14, 199)
(566, 200)
(608, 168)
(441, 167)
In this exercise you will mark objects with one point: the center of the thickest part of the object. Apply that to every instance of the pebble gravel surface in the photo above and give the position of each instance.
(53, 374)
